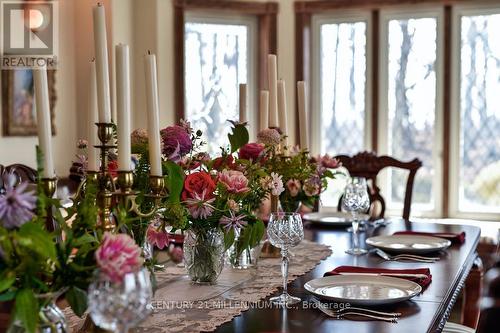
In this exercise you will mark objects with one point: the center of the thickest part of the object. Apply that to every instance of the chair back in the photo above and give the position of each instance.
(368, 165)
(23, 173)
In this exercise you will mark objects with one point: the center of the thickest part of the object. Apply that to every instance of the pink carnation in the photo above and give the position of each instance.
(234, 181)
(117, 256)
(329, 162)
(176, 137)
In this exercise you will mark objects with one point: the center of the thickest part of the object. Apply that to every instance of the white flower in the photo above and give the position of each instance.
(277, 188)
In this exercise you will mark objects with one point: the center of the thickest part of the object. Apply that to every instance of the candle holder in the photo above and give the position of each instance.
(105, 182)
(129, 197)
(49, 187)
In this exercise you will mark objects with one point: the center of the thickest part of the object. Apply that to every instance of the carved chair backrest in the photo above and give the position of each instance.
(23, 173)
(368, 165)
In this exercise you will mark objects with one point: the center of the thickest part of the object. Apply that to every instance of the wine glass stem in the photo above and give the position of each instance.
(284, 269)
(355, 229)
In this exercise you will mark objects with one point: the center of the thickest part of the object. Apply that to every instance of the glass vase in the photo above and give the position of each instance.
(204, 255)
(243, 258)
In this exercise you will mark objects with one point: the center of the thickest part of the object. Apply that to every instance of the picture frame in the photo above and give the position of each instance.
(18, 102)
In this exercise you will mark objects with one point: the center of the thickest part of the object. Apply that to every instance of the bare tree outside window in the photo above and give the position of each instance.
(215, 63)
(480, 114)
(412, 104)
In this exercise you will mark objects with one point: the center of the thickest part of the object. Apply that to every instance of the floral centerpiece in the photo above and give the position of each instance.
(221, 196)
(304, 177)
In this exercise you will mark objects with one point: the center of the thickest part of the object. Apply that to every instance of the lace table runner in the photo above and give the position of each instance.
(180, 306)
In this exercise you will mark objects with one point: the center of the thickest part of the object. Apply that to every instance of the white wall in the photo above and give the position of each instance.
(22, 149)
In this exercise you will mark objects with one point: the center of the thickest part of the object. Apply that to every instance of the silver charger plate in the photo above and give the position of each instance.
(367, 290)
(341, 219)
(414, 244)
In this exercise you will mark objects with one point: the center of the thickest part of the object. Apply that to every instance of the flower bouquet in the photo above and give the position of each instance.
(221, 196)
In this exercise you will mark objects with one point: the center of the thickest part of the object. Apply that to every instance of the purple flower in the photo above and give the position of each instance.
(16, 205)
(235, 222)
(176, 137)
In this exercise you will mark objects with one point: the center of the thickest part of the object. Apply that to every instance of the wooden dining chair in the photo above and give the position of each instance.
(368, 165)
(23, 173)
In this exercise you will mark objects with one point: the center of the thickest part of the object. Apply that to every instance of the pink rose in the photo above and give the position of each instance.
(251, 151)
(234, 181)
(293, 186)
(117, 256)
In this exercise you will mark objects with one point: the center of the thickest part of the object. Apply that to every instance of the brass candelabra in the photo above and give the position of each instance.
(112, 191)
(49, 186)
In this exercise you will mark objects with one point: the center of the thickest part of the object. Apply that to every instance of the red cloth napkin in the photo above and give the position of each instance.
(423, 282)
(453, 237)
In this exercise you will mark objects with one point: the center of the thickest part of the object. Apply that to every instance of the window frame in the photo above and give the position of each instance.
(317, 21)
(251, 22)
(407, 12)
(454, 185)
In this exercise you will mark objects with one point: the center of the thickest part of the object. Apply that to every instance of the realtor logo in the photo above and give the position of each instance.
(28, 34)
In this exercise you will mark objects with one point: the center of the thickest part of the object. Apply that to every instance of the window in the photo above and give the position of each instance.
(339, 91)
(218, 58)
(477, 150)
(410, 106)
(430, 92)
(217, 46)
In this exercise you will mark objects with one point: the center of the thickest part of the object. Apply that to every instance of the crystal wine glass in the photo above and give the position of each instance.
(120, 306)
(284, 231)
(356, 200)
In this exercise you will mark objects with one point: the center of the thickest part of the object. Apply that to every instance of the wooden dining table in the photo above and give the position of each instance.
(427, 312)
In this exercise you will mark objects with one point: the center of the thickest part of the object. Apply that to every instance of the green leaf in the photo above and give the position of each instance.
(37, 239)
(258, 230)
(175, 181)
(7, 279)
(77, 299)
(229, 238)
(239, 137)
(84, 239)
(8, 296)
(26, 309)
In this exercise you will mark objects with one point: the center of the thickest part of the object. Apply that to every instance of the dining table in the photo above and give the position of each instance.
(426, 312)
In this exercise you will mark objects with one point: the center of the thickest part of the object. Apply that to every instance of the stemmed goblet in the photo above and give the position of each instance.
(356, 200)
(118, 306)
(285, 230)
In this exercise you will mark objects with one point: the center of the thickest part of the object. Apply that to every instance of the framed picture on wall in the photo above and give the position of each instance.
(18, 102)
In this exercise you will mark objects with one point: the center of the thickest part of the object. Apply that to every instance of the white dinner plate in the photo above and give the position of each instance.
(333, 218)
(363, 289)
(409, 243)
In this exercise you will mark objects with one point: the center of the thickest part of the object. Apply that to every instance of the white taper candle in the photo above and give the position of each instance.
(302, 107)
(102, 66)
(264, 110)
(272, 72)
(123, 106)
(92, 152)
(282, 106)
(243, 103)
(44, 120)
(153, 114)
